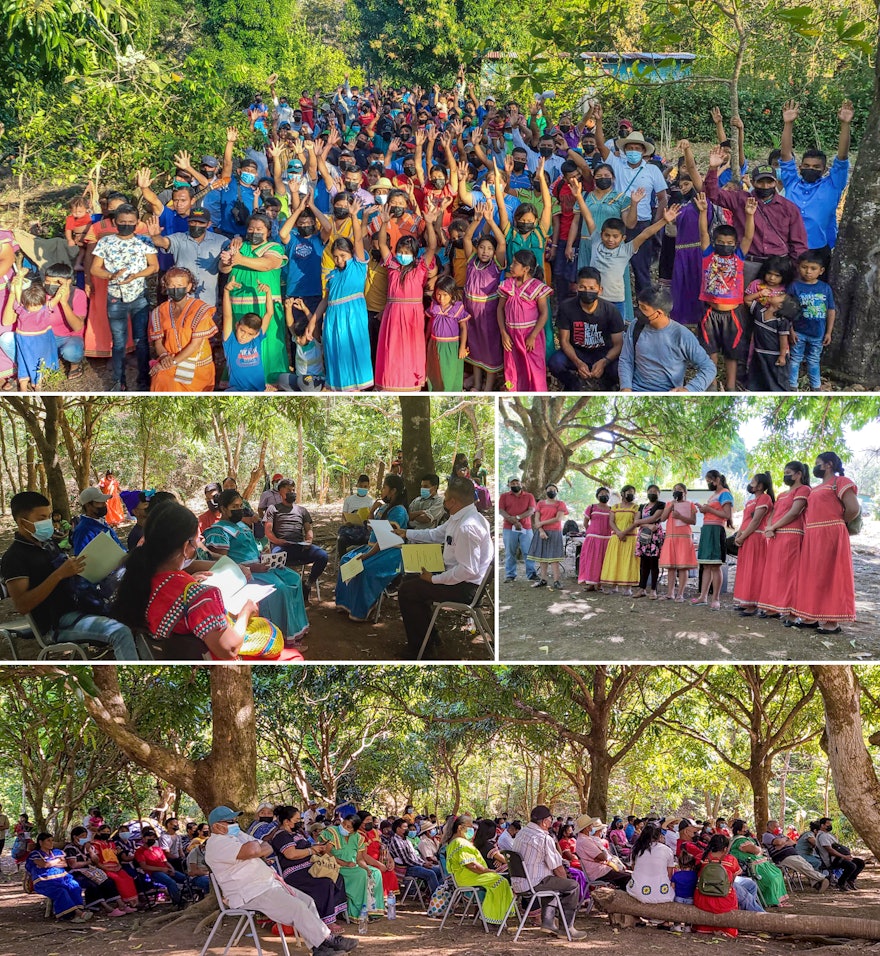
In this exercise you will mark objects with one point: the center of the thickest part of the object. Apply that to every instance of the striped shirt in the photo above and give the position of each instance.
(539, 855)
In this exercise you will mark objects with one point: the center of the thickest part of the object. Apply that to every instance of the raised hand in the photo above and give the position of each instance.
(539, 171)
(737, 123)
(716, 157)
(477, 136)
(232, 284)
(846, 112)
(701, 202)
(637, 195)
(487, 212)
(684, 145)
(455, 127)
(463, 170)
(595, 111)
(395, 143)
(715, 113)
(420, 137)
(577, 189)
(751, 206)
(431, 214)
(182, 160)
(231, 134)
(153, 227)
(790, 111)
(144, 179)
(671, 212)
(354, 207)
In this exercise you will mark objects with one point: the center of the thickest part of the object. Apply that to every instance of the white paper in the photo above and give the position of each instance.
(386, 536)
(103, 555)
(250, 592)
(230, 581)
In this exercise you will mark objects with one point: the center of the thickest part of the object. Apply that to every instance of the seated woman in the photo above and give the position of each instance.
(653, 863)
(468, 868)
(617, 836)
(568, 852)
(486, 842)
(98, 889)
(102, 853)
(363, 882)
(48, 871)
(378, 853)
(380, 568)
(231, 537)
(186, 618)
(747, 851)
(596, 859)
(295, 855)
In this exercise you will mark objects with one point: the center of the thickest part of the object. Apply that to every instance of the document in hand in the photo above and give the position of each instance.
(103, 555)
(230, 581)
(351, 569)
(422, 557)
(358, 517)
(386, 536)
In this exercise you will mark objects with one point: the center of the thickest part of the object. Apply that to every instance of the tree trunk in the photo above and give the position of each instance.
(855, 779)
(418, 455)
(617, 901)
(783, 782)
(759, 778)
(600, 778)
(546, 457)
(44, 431)
(854, 354)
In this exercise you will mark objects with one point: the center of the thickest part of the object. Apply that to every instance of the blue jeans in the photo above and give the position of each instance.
(807, 347)
(306, 554)
(747, 894)
(118, 314)
(70, 347)
(433, 875)
(80, 628)
(512, 538)
(169, 883)
(202, 883)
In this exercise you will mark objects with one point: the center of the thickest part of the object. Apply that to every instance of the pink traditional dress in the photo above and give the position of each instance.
(782, 560)
(524, 371)
(401, 356)
(752, 554)
(825, 585)
(481, 300)
(597, 523)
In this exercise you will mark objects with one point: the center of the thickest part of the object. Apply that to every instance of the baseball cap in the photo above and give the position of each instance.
(93, 495)
(223, 815)
(763, 172)
(541, 813)
(199, 214)
(208, 160)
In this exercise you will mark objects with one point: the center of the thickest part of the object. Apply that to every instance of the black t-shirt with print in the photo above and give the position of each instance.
(590, 332)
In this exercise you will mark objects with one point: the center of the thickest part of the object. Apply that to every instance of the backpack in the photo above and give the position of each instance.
(713, 880)
(239, 212)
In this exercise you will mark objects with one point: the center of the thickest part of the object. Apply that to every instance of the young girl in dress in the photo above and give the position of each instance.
(447, 337)
(485, 263)
(547, 547)
(597, 524)
(522, 315)
(678, 555)
(649, 541)
(774, 277)
(36, 348)
(620, 569)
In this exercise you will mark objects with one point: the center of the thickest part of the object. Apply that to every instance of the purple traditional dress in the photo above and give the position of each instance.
(687, 267)
(481, 301)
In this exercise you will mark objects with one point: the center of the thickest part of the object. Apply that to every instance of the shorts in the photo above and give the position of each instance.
(723, 332)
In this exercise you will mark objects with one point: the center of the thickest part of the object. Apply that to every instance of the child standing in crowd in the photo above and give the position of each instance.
(485, 264)
(771, 330)
(597, 524)
(522, 315)
(447, 337)
(620, 569)
(773, 279)
(243, 342)
(816, 323)
(677, 555)
(547, 547)
(36, 349)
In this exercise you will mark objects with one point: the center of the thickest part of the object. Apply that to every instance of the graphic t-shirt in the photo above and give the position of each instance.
(815, 299)
(245, 363)
(590, 332)
(722, 279)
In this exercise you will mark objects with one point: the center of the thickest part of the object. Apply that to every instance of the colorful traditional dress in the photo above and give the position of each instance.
(481, 300)
(782, 561)
(620, 567)
(390, 883)
(328, 895)
(360, 593)
(752, 554)
(176, 332)
(499, 895)
(825, 585)
(284, 607)
(183, 610)
(248, 298)
(768, 876)
(524, 371)
(678, 551)
(401, 355)
(551, 549)
(362, 887)
(445, 369)
(712, 549)
(109, 485)
(346, 333)
(719, 904)
(54, 882)
(687, 274)
(597, 522)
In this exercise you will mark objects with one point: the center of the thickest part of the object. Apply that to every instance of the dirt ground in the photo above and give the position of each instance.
(24, 932)
(332, 636)
(575, 624)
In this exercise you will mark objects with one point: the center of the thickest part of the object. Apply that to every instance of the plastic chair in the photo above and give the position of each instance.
(246, 922)
(518, 872)
(472, 610)
(468, 895)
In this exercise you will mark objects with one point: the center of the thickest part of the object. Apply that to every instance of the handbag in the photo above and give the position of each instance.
(731, 545)
(326, 866)
(262, 640)
(440, 900)
(94, 874)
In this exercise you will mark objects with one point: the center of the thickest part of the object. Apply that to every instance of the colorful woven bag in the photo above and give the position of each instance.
(263, 639)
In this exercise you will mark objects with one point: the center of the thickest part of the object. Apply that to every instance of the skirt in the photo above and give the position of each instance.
(678, 552)
(445, 368)
(713, 545)
(547, 550)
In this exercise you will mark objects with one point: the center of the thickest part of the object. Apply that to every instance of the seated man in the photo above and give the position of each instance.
(236, 860)
(197, 867)
(92, 523)
(508, 835)
(405, 856)
(784, 854)
(427, 511)
(38, 576)
(211, 515)
(546, 871)
(467, 555)
(836, 857)
(354, 535)
(151, 858)
(289, 528)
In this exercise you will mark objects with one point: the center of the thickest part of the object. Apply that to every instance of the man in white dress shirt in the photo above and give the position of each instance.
(467, 555)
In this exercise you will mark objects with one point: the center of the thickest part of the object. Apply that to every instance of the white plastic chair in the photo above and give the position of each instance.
(468, 895)
(246, 922)
(472, 610)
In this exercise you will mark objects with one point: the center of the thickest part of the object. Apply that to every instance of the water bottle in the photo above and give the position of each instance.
(363, 921)
(391, 906)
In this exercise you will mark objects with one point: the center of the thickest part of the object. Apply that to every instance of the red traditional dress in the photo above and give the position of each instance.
(185, 610)
(825, 586)
(390, 883)
(783, 557)
(195, 321)
(109, 485)
(719, 904)
(678, 551)
(401, 356)
(524, 371)
(597, 523)
(752, 554)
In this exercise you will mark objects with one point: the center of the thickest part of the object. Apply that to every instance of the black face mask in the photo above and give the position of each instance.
(603, 499)
(724, 250)
(100, 511)
(678, 495)
(551, 494)
(516, 489)
(652, 496)
(196, 232)
(126, 229)
(788, 480)
(149, 841)
(524, 228)
(438, 183)
(177, 295)
(519, 167)
(765, 192)
(254, 238)
(351, 187)
(629, 496)
(409, 171)
(546, 151)
(306, 231)
(589, 148)
(236, 515)
(103, 836)
(588, 297)
(818, 471)
(396, 211)
(710, 485)
(214, 504)
(51, 289)
(340, 212)
(604, 182)
(811, 175)
(290, 497)
(750, 489)
(369, 826)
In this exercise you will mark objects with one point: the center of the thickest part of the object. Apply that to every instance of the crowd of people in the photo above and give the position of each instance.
(793, 555)
(408, 239)
(162, 588)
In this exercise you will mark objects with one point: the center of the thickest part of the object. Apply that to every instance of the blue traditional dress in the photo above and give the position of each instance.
(346, 334)
(54, 881)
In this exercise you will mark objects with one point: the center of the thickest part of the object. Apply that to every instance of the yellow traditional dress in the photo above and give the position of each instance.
(620, 567)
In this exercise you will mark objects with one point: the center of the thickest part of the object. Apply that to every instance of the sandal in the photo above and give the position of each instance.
(827, 630)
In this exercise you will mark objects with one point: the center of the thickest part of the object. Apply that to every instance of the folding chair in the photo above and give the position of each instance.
(78, 650)
(518, 872)
(791, 877)
(472, 610)
(246, 925)
(412, 886)
(468, 895)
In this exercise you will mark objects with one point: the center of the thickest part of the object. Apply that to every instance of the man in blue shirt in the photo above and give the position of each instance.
(816, 195)
(92, 523)
(221, 202)
(657, 358)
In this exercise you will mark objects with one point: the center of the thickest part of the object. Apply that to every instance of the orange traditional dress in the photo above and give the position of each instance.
(783, 557)
(678, 551)
(752, 554)
(195, 321)
(109, 485)
(97, 339)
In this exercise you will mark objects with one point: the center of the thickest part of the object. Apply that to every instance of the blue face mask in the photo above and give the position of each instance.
(247, 178)
(43, 530)
(508, 137)
(469, 833)
(233, 829)
(425, 492)
(82, 841)
(362, 492)
(404, 258)
(633, 156)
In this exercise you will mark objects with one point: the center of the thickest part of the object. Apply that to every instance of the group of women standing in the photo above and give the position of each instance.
(794, 560)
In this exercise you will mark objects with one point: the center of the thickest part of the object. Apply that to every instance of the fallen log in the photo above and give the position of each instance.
(610, 900)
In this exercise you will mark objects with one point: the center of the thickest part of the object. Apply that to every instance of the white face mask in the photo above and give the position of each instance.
(382, 199)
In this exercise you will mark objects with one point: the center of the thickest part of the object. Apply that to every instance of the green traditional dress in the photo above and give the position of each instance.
(498, 896)
(359, 883)
(768, 876)
(276, 358)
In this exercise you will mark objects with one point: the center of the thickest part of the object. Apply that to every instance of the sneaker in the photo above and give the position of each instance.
(556, 586)
(119, 387)
(342, 944)
(540, 583)
(508, 580)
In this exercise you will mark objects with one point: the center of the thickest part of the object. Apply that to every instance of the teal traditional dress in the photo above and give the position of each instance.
(284, 607)
(346, 334)
(360, 594)
(362, 887)
(498, 896)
